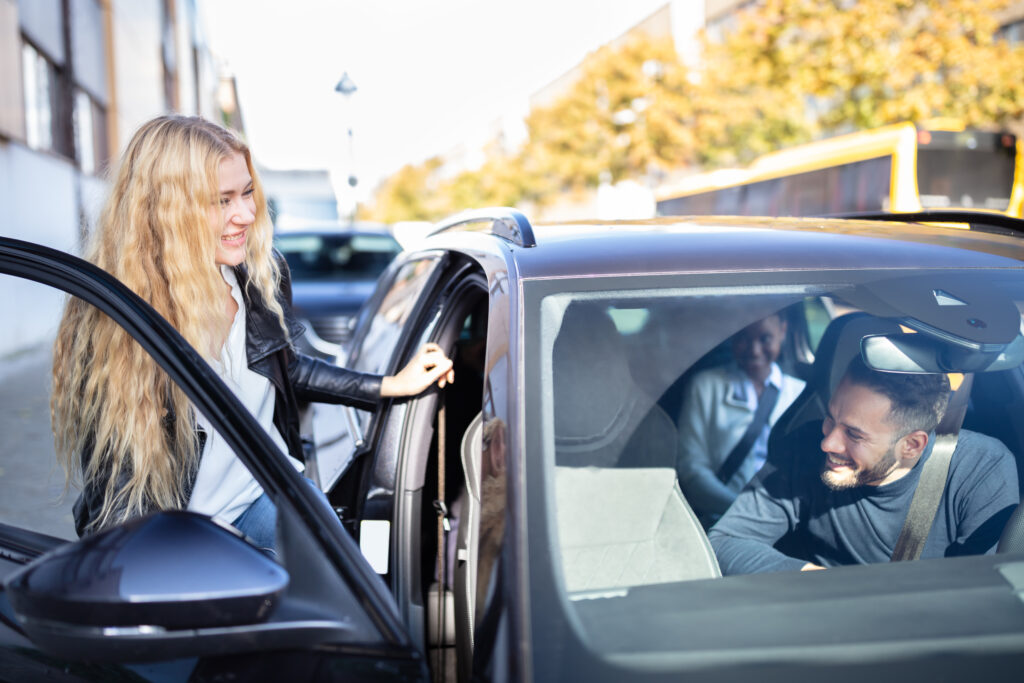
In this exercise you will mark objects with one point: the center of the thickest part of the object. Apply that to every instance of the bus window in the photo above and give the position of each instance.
(807, 194)
(976, 172)
(728, 201)
(761, 199)
(864, 186)
(869, 170)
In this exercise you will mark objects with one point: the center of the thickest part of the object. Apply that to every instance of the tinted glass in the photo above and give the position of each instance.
(614, 363)
(970, 170)
(336, 258)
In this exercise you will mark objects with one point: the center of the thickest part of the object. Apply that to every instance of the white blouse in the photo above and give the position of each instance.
(224, 488)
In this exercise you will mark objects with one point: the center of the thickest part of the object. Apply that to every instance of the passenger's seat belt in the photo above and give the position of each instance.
(928, 494)
(739, 453)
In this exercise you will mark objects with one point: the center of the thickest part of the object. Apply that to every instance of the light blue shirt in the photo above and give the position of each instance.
(718, 405)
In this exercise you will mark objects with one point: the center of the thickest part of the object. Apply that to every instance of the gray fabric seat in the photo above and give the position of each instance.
(621, 527)
(602, 417)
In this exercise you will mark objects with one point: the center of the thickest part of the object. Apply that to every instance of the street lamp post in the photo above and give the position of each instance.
(346, 86)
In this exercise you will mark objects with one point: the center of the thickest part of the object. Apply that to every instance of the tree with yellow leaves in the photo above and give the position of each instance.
(627, 115)
(797, 69)
(790, 71)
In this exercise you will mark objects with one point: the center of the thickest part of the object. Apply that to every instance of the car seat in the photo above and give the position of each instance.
(622, 520)
(602, 417)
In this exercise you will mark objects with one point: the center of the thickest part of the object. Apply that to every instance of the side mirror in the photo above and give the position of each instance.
(142, 591)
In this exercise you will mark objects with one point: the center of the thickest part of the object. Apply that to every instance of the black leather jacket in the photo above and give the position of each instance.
(295, 376)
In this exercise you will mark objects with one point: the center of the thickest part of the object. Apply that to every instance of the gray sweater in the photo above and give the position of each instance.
(786, 516)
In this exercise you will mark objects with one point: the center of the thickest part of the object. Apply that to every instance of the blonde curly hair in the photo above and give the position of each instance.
(153, 234)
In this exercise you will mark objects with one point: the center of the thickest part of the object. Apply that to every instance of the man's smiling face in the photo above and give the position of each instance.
(860, 443)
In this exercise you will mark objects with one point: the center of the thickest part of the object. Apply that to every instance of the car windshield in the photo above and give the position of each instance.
(625, 379)
(336, 257)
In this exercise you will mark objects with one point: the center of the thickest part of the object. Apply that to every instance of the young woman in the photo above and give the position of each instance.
(186, 227)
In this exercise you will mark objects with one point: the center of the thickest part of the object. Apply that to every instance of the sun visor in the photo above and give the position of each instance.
(960, 309)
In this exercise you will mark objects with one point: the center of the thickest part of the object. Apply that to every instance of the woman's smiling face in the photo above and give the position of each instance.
(234, 213)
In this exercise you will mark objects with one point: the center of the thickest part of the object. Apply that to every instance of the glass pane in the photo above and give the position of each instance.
(85, 143)
(980, 177)
(341, 257)
(624, 507)
(31, 482)
(32, 478)
(378, 344)
(38, 99)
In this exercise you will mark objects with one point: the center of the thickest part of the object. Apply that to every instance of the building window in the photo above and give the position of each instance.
(90, 133)
(63, 63)
(168, 54)
(39, 77)
(1012, 33)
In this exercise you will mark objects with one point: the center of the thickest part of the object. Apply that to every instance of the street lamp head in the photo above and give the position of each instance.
(346, 86)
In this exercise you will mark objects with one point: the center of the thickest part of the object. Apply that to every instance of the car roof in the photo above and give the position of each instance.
(712, 244)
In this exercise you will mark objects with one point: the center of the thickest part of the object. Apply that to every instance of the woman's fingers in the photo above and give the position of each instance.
(436, 365)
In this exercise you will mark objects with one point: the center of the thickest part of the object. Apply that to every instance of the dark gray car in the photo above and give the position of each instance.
(526, 522)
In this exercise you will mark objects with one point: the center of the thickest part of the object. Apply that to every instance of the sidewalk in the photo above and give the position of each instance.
(31, 482)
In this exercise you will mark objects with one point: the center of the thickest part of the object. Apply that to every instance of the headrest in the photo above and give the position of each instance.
(595, 395)
(841, 344)
(838, 346)
(471, 452)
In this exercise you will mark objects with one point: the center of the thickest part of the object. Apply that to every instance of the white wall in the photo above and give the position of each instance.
(138, 66)
(38, 195)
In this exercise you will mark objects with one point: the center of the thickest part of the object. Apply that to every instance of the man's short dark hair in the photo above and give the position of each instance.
(918, 400)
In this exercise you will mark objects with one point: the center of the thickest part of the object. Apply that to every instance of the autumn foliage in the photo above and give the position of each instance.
(789, 71)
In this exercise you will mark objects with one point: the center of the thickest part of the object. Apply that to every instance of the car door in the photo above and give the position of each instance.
(331, 618)
(341, 434)
(414, 470)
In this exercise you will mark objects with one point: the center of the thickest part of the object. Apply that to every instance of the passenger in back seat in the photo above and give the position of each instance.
(718, 408)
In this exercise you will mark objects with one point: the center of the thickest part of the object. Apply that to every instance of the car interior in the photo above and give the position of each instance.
(649, 352)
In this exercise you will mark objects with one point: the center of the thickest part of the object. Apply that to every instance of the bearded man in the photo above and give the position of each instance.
(837, 492)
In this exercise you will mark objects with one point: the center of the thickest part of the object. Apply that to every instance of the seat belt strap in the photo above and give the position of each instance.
(739, 452)
(925, 502)
(443, 527)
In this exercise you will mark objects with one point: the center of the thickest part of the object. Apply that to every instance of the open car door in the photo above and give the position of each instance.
(175, 590)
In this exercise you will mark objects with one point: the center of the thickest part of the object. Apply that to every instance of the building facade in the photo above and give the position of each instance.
(77, 77)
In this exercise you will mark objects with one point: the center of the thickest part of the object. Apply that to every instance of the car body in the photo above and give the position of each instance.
(541, 484)
(334, 270)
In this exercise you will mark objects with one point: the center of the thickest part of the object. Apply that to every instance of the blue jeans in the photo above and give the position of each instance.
(259, 521)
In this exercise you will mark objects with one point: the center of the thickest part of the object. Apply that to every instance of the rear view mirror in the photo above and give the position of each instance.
(142, 590)
(919, 353)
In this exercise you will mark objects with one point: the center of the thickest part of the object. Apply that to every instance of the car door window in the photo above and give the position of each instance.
(338, 431)
(376, 347)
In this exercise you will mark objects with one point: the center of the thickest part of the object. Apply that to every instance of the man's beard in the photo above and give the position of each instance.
(840, 481)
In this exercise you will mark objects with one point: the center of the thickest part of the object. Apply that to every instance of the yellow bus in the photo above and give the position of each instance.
(900, 168)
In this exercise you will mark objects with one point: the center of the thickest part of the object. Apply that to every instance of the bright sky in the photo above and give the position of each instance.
(429, 73)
